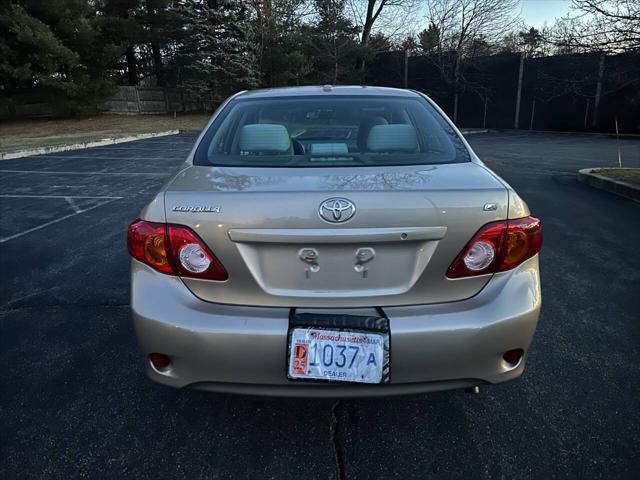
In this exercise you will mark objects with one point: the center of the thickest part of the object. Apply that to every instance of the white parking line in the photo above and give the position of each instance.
(149, 148)
(69, 199)
(493, 139)
(54, 172)
(103, 157)
(9, 195)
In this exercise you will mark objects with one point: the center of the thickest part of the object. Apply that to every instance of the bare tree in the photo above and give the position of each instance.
(615, 25)
(610, 26)
(393, 17)
(373, 11)
(463, 26)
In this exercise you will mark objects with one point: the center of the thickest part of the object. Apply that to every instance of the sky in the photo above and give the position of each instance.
(534, 13)
(537, 12)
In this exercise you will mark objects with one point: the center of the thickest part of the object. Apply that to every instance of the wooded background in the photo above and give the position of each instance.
(75, 57)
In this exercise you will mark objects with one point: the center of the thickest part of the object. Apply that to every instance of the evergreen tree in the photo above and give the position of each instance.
(161, 31)
(333, 44)
(54, 49)
(120, 26)
(278, 35)
(216, 56)
(429, 39)
(531, 41)
(31, 55)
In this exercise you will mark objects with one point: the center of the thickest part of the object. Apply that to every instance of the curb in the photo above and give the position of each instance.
(622, 136)
(78, 146)
(616, 187)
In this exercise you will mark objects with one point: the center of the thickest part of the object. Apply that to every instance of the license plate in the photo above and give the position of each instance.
(339, 356)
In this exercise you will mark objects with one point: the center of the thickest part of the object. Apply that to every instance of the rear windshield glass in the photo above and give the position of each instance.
(329, 131)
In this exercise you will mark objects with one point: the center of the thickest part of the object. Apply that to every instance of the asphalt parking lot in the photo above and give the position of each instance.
(75, 401)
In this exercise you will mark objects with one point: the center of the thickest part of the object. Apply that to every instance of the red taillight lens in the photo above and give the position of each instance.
(147, 242)
(173, 249)
(498, 246)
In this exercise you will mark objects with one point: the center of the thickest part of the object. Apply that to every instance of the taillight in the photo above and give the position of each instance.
(147, 242)
(173, 249)
(498, 246)
(191, 256)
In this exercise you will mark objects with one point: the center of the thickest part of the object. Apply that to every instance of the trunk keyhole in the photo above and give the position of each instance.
(363, 255)
(310, 257)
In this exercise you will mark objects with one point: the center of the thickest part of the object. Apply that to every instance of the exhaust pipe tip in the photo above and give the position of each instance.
(475, 390)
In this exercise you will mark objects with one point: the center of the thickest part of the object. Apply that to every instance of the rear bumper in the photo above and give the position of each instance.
(240, 349)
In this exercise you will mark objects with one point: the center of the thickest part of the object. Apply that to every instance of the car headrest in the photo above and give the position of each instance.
(393, 138)
(265, 138)
(365, 128)
(329, 149)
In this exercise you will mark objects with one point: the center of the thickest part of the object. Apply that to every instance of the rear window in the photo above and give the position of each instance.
(329, 131)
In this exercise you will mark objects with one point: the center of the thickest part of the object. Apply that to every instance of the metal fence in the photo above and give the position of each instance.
(577, 92)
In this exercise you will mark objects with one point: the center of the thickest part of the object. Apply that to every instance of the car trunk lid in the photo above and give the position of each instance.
(265, 226)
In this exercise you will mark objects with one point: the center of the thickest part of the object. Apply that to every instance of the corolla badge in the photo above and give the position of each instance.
(337, 210)
(198, 208)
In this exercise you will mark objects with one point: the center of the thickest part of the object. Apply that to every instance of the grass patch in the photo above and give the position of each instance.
(25, 134)
(629, 175)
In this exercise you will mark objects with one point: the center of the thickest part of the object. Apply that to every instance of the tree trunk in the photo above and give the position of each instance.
(132, 71)
(368, 24)
(157, 64)
(366, 35)
(366, 31)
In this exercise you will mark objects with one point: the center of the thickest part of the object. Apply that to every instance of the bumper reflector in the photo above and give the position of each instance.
(512, 357)
(159, 360)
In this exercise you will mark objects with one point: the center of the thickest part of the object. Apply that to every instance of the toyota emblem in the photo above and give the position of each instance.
(337, 210)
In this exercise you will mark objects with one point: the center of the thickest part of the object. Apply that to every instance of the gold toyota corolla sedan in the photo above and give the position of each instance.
(334, 241)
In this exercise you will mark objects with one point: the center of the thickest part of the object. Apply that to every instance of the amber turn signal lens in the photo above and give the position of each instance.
(174, 250)
(146, 243)
(517, 247)
(511, 242)
(154, 249)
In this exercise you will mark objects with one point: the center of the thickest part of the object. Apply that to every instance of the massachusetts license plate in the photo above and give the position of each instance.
(339, 356)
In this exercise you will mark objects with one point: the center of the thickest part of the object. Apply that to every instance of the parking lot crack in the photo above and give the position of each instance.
(335, 441)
